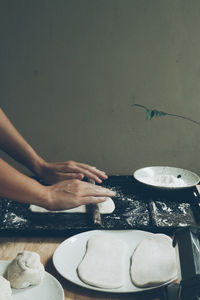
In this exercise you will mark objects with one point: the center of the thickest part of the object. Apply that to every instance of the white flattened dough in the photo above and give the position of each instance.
(25, 270)
(153, 261)
(5, 289)
(104, 265)
(106, 207)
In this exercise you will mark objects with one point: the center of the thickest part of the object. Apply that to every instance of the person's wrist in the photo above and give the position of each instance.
(45, 198)
(38, 166)
(48, 199)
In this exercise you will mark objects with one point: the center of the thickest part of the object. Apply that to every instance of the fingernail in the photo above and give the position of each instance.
(110, 191)
(113, 193)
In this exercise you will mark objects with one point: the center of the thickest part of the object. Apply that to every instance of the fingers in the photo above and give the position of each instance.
(59, 171)
(93, 200)
(92, 176)
(100, 191)
(84, 189)
(93, 170)
(78, 175)
(66, 176)
(88, 171)
(88, 189)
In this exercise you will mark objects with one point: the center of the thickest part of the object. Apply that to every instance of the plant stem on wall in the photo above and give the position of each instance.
(150, 113)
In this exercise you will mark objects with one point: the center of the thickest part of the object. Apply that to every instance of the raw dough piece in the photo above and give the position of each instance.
(5, 289)
(106, 207)
(26, 269)
(153, 261)
(104, 265)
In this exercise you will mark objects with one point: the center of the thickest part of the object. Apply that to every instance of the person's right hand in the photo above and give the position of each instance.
(72, 193)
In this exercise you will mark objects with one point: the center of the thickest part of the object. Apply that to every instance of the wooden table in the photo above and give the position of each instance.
(10, 246)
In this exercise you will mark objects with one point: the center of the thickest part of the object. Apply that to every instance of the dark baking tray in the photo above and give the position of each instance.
(137, 207)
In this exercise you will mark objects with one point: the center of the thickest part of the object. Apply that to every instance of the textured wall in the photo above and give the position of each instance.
(71, 69)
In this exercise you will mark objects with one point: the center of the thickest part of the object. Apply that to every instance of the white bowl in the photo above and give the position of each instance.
(166, 177)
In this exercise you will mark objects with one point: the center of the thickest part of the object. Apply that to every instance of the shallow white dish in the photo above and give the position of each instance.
(166, 177)
(69, 254)
(48, 289)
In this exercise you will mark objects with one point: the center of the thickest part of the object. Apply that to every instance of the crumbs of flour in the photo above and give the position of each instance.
(171, 214)
(11, 219)
(166, 180)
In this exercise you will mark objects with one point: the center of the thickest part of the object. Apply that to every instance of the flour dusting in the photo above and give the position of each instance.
(171, 214)
(11, 218)
(166, 180)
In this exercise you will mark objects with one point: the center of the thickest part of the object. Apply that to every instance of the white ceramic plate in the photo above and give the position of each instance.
(48, 289)
(167, 177)
(69, 254)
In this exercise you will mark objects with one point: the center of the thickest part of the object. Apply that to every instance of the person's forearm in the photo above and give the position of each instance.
(16, 146)
(17, 186)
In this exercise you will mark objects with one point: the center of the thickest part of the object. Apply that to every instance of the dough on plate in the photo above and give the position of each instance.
(5, 289)
(25, 269)
(106, 207)
(103, 264)
(153, 261)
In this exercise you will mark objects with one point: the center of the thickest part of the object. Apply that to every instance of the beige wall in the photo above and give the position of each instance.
(71, 69)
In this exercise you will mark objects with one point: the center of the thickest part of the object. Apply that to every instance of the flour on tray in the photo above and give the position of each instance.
(11, 219)
(171, 214)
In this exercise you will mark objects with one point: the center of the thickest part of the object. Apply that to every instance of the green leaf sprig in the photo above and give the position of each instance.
(150, 113)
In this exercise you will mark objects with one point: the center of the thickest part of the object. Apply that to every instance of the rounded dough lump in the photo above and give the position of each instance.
(153, 261)
(25, 270)
(5, 289)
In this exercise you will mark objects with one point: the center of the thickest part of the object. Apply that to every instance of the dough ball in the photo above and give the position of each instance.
(5, 289)
(153, 261)
(103, 264)
(26, 269)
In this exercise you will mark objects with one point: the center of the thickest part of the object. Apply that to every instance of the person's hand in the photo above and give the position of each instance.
(72, 193)
(59, 171)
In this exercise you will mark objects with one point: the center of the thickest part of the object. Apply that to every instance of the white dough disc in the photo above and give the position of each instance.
(5, 289)
(104, 265)
(25, 270)
(106, 207)
(153, 261)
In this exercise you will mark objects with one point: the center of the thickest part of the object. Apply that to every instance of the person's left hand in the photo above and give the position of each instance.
(59, 171)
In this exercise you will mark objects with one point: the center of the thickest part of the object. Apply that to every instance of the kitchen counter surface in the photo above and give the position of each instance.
(10, 246)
